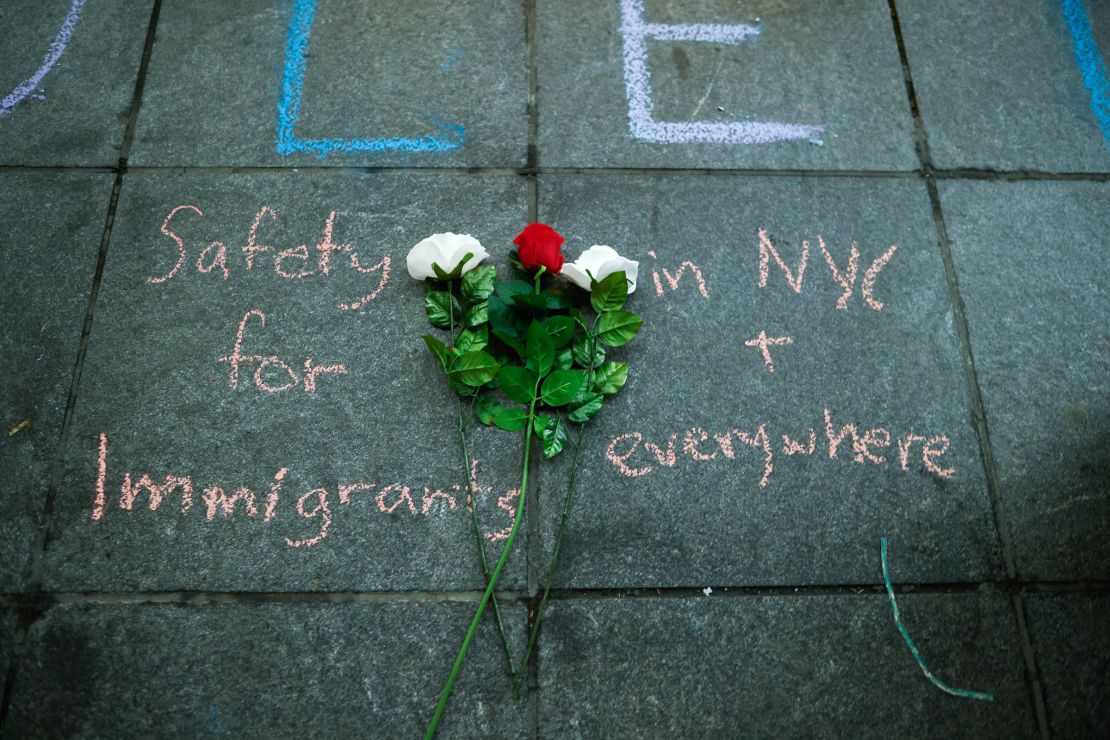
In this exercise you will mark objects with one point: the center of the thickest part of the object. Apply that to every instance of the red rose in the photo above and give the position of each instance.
(540, 245)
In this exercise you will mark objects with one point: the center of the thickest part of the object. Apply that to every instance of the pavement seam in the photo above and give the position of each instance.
(28, 614)
(528, 170)
(535, 553)
(979, 419)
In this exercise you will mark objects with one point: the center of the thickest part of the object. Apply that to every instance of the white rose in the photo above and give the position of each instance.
(446, 250)
(600, 261)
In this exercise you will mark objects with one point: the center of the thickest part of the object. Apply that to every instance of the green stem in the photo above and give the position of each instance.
(446, 694)
(563, 518)
(471, 501)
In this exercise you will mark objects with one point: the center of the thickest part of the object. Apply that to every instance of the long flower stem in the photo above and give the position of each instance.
(473, 504)
(446, 694)
(564, 516)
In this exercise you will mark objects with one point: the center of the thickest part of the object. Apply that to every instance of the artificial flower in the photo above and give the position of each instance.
(447, 251)
(600, 261)
(540, 246)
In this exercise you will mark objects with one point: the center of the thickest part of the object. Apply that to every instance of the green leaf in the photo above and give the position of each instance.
(585, 407)
(556, 301)
(610, 377)
(477, 285)
(540, 422)
(518, 383)
(487, 407)
(618, 327)
(562, 386)
(438, 348)
(530, 300)
(610, 294)
(582, 355)
(507, 289)
(579, 319)
(560, 329)
(472, 339)
(474, 368)
(554, 435)
(511, 419)
(564, 359)
(477, 314)
(539, 353)
(440, 307)
(509, 339)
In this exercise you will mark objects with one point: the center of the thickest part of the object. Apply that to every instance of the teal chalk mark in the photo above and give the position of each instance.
(1090, 62)
(450, 136)
(913, 648)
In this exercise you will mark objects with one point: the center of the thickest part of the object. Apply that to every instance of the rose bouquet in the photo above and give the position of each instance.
(528, 356)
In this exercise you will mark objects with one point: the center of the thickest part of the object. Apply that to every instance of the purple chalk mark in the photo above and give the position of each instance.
(637, 83)
(53, 54)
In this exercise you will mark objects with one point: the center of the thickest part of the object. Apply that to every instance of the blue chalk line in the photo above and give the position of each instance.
(1090, 63)
(289, 107)
(913, 648)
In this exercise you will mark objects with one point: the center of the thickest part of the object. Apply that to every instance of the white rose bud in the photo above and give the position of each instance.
(446, 250)
(601, 262)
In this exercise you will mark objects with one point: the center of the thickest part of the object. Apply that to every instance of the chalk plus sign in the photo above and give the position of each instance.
(764, 343)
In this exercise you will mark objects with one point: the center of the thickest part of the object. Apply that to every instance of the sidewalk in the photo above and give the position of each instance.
(872, 239)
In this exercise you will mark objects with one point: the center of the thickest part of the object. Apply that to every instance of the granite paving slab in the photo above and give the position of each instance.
(63, 99)
(1073, 659)
(763, 84)
(774, 666)
(7, 634)
(264, 670)
(724, 464)
(999, 86)
(1034, 284)
(336, 83)
(255, 375)
(50, 230)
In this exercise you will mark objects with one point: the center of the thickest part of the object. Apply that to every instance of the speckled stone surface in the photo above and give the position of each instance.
(263, 670)
(371, 497)
(1035, 289)
(64, 101)
(50, 229)
(380, 72)
(692, 511)
(999, 86)
(720, 666)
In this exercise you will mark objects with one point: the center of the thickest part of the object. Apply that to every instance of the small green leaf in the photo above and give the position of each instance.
(472, 339)
(618, 327)
(556, 301)
(540, 422)
(518, 383)
(610, 377)
(487, 407)
(440, 307)
(474, 368)
(477, 314)
(438, 348)
(575, 314)
(560, 329)
(610, 294)
(582, 353)
(511, 419)
(507, 289)
(562, 386)
(477, 284)
(584, 407)
(554, 435)
(530, 300)
(539, 353)
(564, 359)
(509, 339)
(440, 272)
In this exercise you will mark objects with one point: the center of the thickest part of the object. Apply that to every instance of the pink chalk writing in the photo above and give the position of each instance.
(293, 263)
(634, 456)
(263, 362)
(636, 31)
(765, 343)
(673, 280)
(312, 507)
(845, 278)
